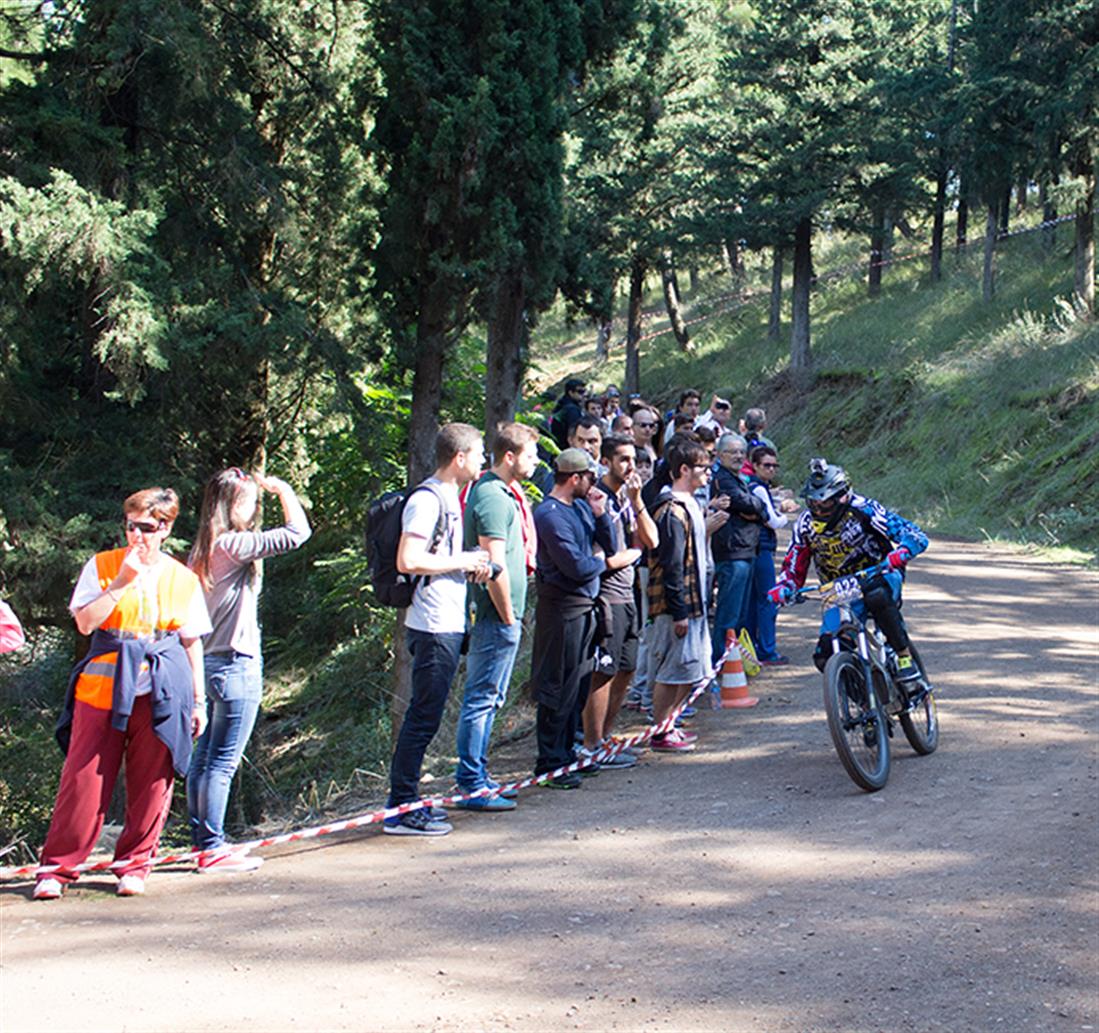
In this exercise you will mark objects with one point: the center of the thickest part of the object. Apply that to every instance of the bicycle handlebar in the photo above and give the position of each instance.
(800, 594)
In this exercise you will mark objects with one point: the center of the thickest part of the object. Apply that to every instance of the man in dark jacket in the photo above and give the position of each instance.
(575, 546)
(735, 545)
(569, 409)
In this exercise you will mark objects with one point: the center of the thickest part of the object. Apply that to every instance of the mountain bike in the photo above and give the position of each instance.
(862, 694)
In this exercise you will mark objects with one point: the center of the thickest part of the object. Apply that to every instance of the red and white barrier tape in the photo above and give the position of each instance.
(370, 818)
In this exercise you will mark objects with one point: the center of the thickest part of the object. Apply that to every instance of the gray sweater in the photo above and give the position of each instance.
(232, 601)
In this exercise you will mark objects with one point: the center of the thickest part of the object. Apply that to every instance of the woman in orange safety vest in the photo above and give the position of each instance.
(137, 695)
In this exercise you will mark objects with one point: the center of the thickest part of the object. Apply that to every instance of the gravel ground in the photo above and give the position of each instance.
(747, 886)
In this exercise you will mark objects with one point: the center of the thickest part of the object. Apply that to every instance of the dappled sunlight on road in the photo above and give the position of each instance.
(705, 891)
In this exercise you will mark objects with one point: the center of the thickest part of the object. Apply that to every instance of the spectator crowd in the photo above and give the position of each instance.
(651, 547)
(651, 544)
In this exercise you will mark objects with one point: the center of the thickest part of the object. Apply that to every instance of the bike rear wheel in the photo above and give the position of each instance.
(921, 724)
(858, 732)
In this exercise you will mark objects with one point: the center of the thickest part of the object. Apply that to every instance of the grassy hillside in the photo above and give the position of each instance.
(981, 420)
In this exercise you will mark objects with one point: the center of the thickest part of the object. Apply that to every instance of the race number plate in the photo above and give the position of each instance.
(842, 590)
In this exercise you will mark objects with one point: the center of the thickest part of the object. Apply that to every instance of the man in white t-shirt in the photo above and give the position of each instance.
(431, 549)
(717, 416)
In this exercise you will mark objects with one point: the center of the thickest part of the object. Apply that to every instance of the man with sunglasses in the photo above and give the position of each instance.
(764, 464)
(717, 416)
(645, 423)
(736, 543)
(842, 533)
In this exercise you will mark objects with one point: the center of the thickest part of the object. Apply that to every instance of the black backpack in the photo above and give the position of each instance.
(383, 532)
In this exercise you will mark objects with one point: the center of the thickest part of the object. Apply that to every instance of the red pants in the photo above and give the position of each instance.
(87, 781)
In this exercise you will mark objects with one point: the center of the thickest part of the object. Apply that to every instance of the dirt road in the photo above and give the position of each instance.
(747, 886)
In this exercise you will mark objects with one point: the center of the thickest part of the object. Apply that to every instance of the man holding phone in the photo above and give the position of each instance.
(493, 521)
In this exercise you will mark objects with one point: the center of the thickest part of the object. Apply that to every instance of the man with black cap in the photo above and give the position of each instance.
(575, 545)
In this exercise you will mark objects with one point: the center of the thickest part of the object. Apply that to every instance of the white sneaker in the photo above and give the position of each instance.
(48, 889)
(236, 862)
(131, 886)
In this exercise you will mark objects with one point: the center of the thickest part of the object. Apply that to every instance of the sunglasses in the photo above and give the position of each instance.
(769, 466)
(644, 426)
(144, 526)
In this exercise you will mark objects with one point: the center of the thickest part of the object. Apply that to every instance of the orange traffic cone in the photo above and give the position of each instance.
(734, 685)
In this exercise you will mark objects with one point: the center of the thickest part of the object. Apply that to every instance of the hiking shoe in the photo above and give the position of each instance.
(507, 794)
(131, 885)
(670, 744)
(569, 780)
(688, 712)
(486, 803)
(775, 661)
(48, 889)
(415, 823)
(231, 862)
(620, 760)
(907, 671)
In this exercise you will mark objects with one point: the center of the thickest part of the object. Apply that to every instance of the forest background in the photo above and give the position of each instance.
(295, 237)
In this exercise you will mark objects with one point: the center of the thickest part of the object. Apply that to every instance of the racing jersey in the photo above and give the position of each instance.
(860, 535)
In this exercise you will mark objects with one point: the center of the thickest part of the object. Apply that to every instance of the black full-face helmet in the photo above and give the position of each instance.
(825, 488)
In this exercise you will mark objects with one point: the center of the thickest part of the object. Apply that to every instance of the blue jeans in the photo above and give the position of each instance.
(761, 611)
(234, 687)
(434, 661)
(493, 647)
(734, 582)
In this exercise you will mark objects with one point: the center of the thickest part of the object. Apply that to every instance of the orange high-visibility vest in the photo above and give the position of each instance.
(174, 590)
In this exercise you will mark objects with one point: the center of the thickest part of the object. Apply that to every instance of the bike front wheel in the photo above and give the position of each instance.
(921, 722)
(858, 731)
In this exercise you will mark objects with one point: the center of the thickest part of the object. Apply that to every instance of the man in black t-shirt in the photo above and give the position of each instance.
(616, 656)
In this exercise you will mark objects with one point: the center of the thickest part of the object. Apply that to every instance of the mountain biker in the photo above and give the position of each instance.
(843, 533)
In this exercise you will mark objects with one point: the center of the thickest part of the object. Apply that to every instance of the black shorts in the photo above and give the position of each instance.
(618, 651)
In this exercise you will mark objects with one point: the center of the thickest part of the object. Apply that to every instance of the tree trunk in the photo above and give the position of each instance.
(423, 426)
(963, 225)
(671, 302)
(506, 352)
(251, 443)
(774, 317)
(1005, 212)
(1084, 248)
(1020, 196)
(692, 273)
(1049, 214)
(734, 263)
(877, 254)
(988, 286)
(603, 341)
(938, 222)
(633, 327)
(801, 359)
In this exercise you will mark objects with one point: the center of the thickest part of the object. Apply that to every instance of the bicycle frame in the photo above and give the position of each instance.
(871, 648)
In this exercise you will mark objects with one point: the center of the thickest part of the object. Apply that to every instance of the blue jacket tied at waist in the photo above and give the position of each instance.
(173, 696)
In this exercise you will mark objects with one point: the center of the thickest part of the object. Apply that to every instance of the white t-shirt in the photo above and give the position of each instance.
(196, 625)
(439, 603)
(698, 528)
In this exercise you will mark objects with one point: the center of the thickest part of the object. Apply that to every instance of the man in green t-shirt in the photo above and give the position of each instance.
(494, 522)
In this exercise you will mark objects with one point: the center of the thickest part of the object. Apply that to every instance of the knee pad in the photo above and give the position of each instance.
(877, 595)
